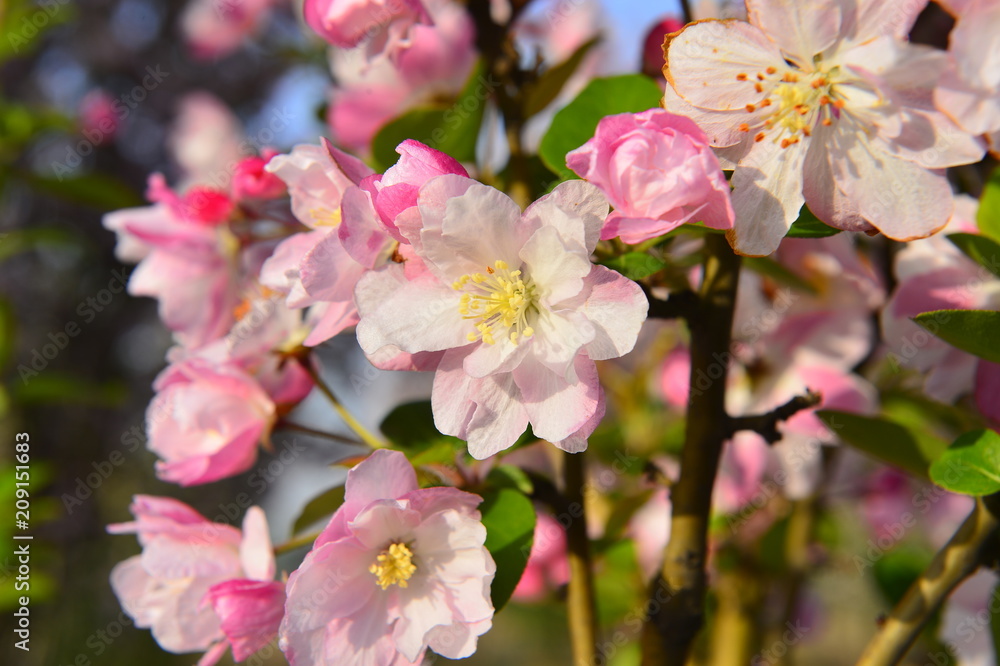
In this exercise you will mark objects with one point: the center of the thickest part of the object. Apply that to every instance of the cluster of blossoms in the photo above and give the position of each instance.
(433, 269)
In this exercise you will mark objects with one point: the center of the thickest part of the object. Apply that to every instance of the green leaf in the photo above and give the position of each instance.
(974, 331)
(51, 387)
(779, 273)
(510, 476)
(892, 443)
(988, 216)
(23, 240)
(8, 332)
(970, 466)
(896, 569)
(452, 129)
(575, 124)
(93, 189)
(809, 226)
(983, 250)
(319, 507)
(411, 426)
(509, 518)
(635, 265)
(543, 92)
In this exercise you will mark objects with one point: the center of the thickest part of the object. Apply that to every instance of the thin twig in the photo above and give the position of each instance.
(366, 436)
(766, 425)
(288, 425)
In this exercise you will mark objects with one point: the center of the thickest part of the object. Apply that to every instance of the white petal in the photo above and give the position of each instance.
(802, 28)
(418, 315)
(902, 199)
(705, 59)
(767, 196)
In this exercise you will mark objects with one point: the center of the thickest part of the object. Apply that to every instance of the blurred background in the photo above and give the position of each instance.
(94, 96)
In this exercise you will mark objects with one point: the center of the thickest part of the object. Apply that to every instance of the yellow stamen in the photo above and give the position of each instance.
(498, 302)
(394, 566)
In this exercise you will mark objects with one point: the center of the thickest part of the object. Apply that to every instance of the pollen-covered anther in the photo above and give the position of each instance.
(394, 566)
(499, 302)
(744, 127)
(741, 77)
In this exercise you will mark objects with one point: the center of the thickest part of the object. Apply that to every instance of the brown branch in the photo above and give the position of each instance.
(766, 425)
(672, 626)
(580, 603)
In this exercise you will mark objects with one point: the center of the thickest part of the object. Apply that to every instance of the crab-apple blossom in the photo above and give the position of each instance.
(215, 405)
(397, 570)
(382, 26)
(822, 103)
(969, 89)
(317, 176)
(186, 571)
(934, 274)
(657, 170)
(435, 66)
(516, 306)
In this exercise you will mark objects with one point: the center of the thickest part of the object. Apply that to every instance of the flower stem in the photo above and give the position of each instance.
(288, 425)
(954, 563)
(295, 543)
(672, 625)
(580, 601)
(366, 435)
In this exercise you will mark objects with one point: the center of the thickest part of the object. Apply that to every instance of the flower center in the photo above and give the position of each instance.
(394, 566)
(498, 301)
(800, 100)
(325, 217)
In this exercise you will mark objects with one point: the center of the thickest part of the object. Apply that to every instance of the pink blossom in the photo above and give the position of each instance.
(933, 274)
(396, 191)
(251, 181)
(435, 66)
(547, 566)
(657, 170)
(515, 305)
(382, 25)
(825, 104)
(188, 261)
(969, 89)
(652, 49)
(215, 28)
(214, 405)
(650, 529)
(99, 119)
(249, 612)
(206, 421)
(317, 178)
(397, 570)
(185, 559)
(205, 140)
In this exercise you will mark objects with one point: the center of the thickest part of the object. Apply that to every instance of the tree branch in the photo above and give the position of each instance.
(580, 593)
(672, 626)
(954, 563)
(767, 424)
